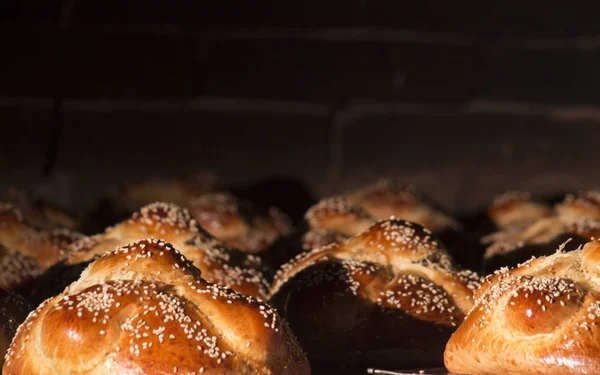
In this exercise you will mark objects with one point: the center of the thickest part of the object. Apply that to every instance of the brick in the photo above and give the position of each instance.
(464, 160)
(80, 64)
(31, 11)
(478, 19)
(296, 69)
(436, 72)
(100, 151)
(546, 76)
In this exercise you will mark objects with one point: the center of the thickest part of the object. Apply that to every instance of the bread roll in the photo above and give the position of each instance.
(585, 204)
(234, 221)
(519, 243)
(389, 296)
(336, 218)
(239, 223)
(351, 213)
(144, 309)
(26, 252)
(539, 318)
(218, 262)
(515, 208)
(39, 213)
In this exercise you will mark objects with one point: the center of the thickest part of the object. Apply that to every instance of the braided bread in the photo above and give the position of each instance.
(144, 309)
(387, 198)
(537, 232)
(238, 222)
(218, 262)
(539, 318)
(389, 295)
(234, 221)
(515, 209)
(336, 218)
(40, 214)
(585, 204)
(333, 220)
(26, 252)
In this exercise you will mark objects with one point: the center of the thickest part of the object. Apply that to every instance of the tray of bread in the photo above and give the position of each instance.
(192, 278)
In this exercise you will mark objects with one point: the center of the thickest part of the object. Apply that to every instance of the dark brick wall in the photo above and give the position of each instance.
(464, 102)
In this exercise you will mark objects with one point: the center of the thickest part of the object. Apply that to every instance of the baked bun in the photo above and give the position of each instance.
(516, 208)
(218, 262)
(26, 252)
(238, 222)
(585, 204)
(39, 213)
(538, 318)
(13, 311)
(389, 296)
(144, 309)
(334, 220)
(351, 213)
(517, 244)
(337, 218)
(179, 191)
(387, 198)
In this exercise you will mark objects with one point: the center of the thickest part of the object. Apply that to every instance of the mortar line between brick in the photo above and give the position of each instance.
(353, 109)
(351, 34)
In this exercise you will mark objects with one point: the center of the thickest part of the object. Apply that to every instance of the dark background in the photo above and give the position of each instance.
(465, 101)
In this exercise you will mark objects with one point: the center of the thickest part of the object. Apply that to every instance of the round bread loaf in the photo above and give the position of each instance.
(218, 262)
(540, 318)
(387, 297)
(144, 309)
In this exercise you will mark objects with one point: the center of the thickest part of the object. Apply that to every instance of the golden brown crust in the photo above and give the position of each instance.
(13, 311)
(40, 214)
(524, 235)
(515, 208)
(540, 232)
(539, 318)
(238, 223)
(14, 231)
(585, 204)
(387, 198)
(337, 218)
(218, 262)
(26, 252)
(391, 278)
(145, 309)
(17, 269)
